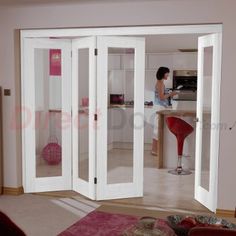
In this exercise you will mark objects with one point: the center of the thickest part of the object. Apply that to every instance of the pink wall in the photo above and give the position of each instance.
(112, 14)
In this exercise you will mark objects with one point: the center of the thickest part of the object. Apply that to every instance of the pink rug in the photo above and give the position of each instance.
(99, 223)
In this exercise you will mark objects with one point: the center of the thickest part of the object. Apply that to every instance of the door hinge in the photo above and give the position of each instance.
(95, 180)
(95, 117)
(95, 51)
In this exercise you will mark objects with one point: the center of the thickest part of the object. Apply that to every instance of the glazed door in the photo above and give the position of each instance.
(120, 125)
(208, 120)
(107, 159)
(83, 111)
(46, 114)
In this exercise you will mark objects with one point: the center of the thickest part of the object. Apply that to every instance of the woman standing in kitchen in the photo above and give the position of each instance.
(162, 98)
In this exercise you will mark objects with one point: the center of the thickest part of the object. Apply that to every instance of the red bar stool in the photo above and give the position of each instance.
(181, 130)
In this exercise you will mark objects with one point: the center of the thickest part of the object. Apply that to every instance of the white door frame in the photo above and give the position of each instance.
(116, 31)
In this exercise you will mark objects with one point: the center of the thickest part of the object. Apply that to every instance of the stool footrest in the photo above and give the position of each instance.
(180, 172)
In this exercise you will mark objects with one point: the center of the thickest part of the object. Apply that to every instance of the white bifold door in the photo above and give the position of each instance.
(81, 108)
(46, 115)
(208, 120)
(83, 112)
(120, 127)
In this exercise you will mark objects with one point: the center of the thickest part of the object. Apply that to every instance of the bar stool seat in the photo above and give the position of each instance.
(181, 129)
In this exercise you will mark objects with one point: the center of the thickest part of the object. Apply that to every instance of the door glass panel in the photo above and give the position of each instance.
(120, 114)
(48, 111)
(206, 119)
(83, 131)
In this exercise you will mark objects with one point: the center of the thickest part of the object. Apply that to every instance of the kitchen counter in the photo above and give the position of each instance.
(173, 112)
(161, 116)
(125, 106)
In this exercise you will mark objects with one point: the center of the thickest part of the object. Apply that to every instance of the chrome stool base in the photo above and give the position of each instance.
(180, 172)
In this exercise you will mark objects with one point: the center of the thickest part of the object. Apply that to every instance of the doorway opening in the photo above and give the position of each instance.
(106, 157)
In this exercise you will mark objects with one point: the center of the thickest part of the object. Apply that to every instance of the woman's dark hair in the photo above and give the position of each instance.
(161, 72)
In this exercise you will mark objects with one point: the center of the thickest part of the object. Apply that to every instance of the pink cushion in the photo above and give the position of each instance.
(203, 231)
(8, 227)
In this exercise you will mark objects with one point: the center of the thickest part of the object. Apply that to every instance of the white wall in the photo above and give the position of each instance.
(114, 14)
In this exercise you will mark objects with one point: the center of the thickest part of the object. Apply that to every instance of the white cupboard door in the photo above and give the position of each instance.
(120, 128)
(83, 111)
(46, 114)
(208, 110)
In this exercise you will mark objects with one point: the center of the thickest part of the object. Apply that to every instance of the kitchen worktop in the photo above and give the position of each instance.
(177, 112)
(180, 112)
(125, 106)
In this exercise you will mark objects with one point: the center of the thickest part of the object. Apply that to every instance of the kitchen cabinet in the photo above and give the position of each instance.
(154, 62)
(119, 125)
(157, 60)
(119, 128)
(123, 61)
(174, 61)
(121, 81)
(185, 61)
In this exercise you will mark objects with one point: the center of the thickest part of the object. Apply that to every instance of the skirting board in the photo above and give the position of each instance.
(13, 191)
(225, 213)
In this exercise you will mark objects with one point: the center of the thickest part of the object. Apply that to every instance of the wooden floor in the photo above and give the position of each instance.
(161, 189)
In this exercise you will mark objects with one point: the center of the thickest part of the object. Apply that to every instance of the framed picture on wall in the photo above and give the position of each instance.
(55, 62)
